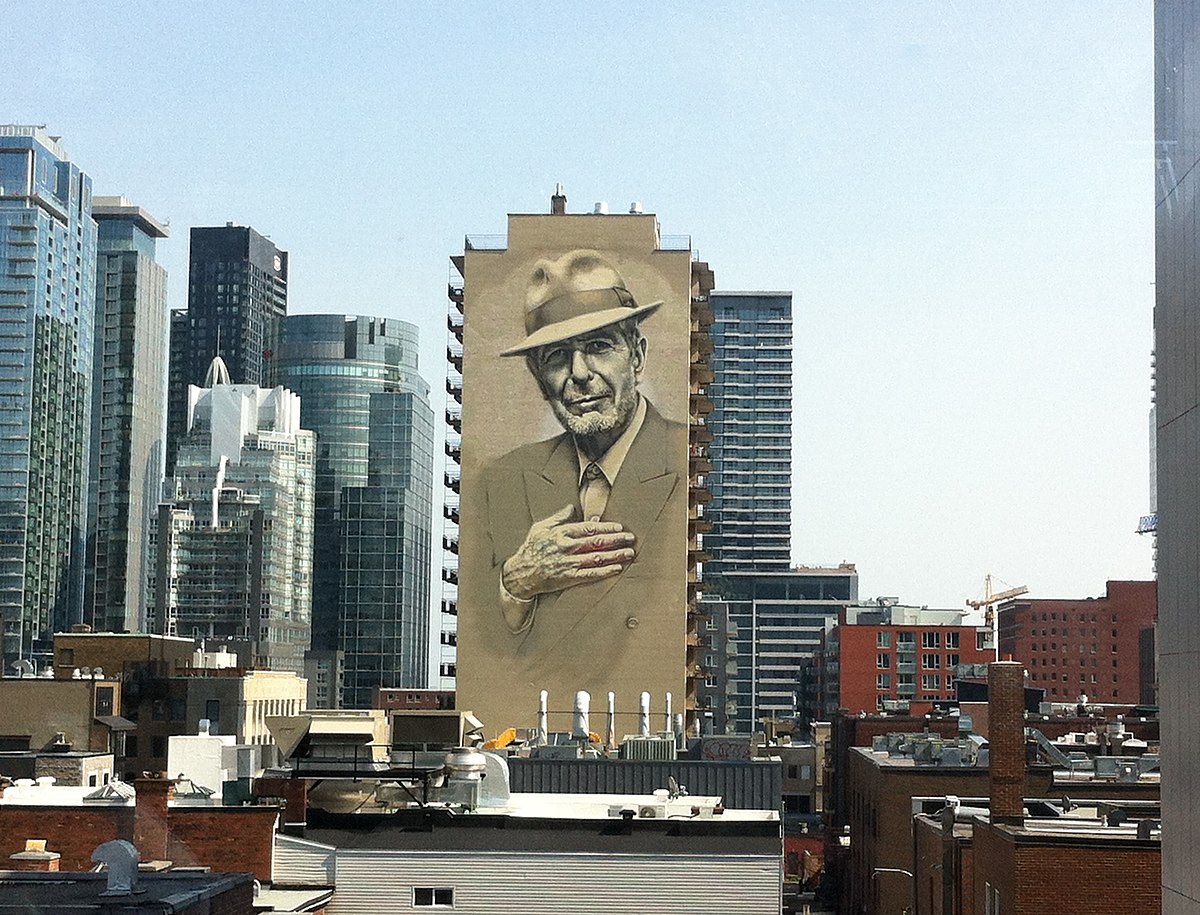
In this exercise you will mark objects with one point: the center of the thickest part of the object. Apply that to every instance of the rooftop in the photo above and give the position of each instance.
(36, 132)
(120, 208)
(83, 892)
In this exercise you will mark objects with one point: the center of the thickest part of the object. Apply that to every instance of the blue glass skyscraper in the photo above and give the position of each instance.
(47, 300)
(361, 393)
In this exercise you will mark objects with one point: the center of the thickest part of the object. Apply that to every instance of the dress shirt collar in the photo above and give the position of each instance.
(610, 462)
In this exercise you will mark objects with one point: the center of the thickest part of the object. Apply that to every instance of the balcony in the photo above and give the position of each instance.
(450, 576)
(450, 607)
(450, 545)
(454, 418)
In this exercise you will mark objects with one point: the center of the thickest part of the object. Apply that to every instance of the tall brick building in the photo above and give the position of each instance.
(1090, 646)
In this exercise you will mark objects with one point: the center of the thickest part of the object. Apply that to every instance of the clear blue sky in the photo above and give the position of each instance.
(960, 196)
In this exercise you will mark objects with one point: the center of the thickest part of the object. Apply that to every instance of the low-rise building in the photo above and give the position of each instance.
(37, 713)
(903, 776)
(193, 831)
(233, 701)
(121, 655)
(396, 698)
(84, 768)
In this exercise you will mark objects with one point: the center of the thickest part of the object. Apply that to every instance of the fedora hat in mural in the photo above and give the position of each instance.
(574, 294)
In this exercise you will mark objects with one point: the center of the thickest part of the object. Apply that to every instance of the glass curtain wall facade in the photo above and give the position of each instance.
(774, 620)
(1177, 414)
(385, 527)
(47, 304)
(237, 296)
(361, 393)
(128, 413)
(751, 423)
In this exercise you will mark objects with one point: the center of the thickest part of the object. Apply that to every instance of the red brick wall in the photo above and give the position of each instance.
(236, 839)
(1113, 878)
(73, 832)
(1050, 648)
(929, 863)
(879, 806)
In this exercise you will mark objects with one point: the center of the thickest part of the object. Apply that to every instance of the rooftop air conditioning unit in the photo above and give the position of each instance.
(648, 748)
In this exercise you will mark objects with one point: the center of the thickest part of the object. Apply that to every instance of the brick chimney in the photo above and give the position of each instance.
(151, 831)
(1006, 741)
(558, 202)
(35, 857)
(294, 792)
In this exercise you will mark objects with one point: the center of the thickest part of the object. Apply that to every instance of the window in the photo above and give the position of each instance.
(952, 639)
(104, 700)
(212, 711)
(991, 900)
(883, 639)
(883, 661)
(883, 681)
(67, 655)
(931, 661)
(906, 638)
(433, 896)
(931, 681)
(931, 640)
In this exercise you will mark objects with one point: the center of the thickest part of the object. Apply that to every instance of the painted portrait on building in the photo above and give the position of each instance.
(573, 539)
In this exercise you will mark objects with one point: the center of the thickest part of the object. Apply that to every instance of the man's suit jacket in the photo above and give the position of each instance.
(606, 634)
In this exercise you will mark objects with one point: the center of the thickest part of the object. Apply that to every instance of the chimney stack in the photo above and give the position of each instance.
(1006, 741)
(558, 203)
(35, 857)
(151, 832)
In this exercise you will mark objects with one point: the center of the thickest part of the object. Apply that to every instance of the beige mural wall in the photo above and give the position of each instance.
(625, 633)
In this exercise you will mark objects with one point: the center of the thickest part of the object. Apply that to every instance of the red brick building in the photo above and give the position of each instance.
(221, 838)
(896, 658)
(1090, 646)
(1098, 857)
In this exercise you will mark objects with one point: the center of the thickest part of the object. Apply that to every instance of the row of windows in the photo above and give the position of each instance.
(929, 661)
(908, 681)
(929, 639)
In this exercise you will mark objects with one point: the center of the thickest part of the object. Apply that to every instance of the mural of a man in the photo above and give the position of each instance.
(579, 525)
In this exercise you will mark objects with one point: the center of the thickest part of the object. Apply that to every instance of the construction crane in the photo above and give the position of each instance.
(991, 598)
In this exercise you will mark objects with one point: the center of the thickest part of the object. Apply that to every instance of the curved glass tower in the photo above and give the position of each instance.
(47, 306)
(361, 393)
